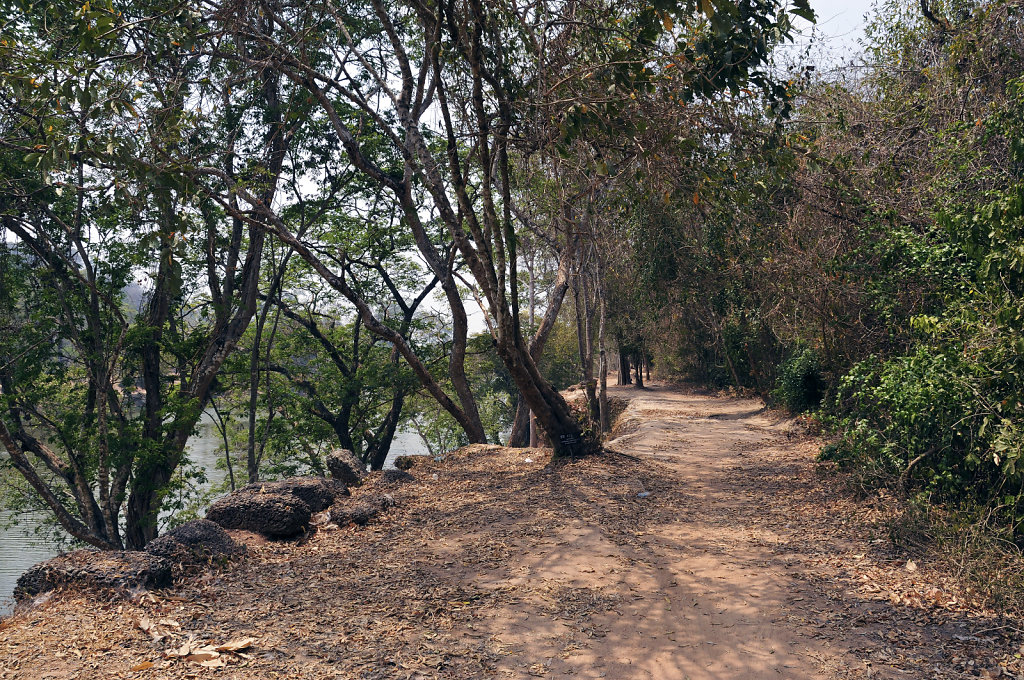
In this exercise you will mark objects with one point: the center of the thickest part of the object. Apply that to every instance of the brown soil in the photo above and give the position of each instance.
(706, 544)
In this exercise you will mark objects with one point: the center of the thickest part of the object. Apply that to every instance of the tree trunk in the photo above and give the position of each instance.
(647, 361)
(585, 347)
(732, 367)
(378, 452)
(521, 423)
(524, 425)
(223, 427)
(533, 303)
(152, 475)
(550, 408)
(624, 377)
(252, 466)
(602, 386)
(156, 471)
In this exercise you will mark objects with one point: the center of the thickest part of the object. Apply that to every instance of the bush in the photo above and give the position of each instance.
(937, 419)
(800, 385)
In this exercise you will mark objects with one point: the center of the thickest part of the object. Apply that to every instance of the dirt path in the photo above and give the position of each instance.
(701, 593)
(708, 546)
(762, 568)
(697, 593)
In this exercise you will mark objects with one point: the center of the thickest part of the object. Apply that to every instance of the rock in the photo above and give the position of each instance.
(316, 492)
(195, 544)
(346, 467)
(275, 515)
(277, 509)
(360, 511)
(96, 569)
(394, 477)
(406, 462)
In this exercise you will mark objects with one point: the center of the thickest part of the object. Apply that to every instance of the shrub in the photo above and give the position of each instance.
(800, 385)
(936, 419)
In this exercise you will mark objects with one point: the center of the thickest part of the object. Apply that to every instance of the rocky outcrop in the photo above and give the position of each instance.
(360, 510)
(316, 492)
(119, 570)
(407, 462)
(277, 509)
(346, 467)
(275, 515)
(196, 544)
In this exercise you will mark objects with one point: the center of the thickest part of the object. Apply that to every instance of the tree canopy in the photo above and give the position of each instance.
(326, 223)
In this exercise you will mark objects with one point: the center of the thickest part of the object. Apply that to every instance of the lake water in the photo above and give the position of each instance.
(21, 547)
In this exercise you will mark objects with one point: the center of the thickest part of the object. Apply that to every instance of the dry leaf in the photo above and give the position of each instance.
(204, 654)
(145, 665)
(184, 650)
(147, 625)
(236, 644)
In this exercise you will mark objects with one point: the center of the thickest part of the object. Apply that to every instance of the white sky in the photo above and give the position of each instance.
(841, 20)
(840, 25)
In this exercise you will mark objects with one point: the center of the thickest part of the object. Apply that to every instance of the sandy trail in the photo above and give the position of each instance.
(707, 544)
(701, 595)
(750, 564)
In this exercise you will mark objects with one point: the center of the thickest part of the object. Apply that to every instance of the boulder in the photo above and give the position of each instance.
(195, 544)
(119, 570)
(275, 515)
(406, 462)
(316, 492)
(360, 511)
(346, 467)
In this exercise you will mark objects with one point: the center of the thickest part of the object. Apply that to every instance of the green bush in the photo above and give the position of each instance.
(935, 419)
(800, 384)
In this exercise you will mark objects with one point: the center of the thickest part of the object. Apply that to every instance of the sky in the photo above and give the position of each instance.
(840, 25)
(841, 19)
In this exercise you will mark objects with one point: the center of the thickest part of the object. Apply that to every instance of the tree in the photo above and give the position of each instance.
(96, 419)
(445, 88)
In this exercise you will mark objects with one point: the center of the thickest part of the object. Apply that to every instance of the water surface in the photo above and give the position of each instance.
(21, 547)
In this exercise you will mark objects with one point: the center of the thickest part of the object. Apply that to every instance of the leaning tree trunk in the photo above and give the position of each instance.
(524, 427)
(549, 407)
(381, 445)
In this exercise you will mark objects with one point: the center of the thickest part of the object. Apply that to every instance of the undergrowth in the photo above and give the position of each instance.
(976, 549)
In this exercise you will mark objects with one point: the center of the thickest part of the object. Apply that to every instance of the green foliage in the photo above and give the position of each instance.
(946, 415)
(493, 387)
(800, 384)
(937, 418)
(560, 363)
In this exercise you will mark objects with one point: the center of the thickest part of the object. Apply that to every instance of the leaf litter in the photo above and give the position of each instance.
(476, 573)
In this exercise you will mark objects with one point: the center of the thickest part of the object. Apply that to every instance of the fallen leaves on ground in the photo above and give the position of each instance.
(416, 593)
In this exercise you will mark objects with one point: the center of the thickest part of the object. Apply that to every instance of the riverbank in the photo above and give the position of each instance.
(706, 544)
(24, 545)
